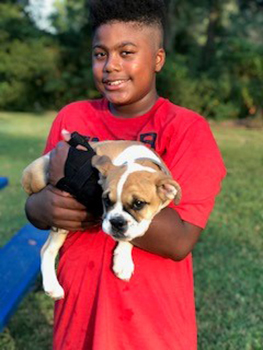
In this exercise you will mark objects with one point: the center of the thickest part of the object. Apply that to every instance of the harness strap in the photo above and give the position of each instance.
(81, 178)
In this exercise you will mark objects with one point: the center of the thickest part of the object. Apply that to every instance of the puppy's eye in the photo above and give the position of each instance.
(107, 202)
(138, 205)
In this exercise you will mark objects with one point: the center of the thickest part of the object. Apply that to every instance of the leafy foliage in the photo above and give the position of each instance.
(27, 61)
(214, 63)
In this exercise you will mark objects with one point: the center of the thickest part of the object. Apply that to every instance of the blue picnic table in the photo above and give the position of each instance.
(19, 268)
(3, 182)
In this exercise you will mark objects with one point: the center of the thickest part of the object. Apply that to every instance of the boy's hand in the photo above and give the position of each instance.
(58, 157)
(52, 207)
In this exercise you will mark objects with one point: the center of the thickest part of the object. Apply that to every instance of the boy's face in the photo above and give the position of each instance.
(126, 57)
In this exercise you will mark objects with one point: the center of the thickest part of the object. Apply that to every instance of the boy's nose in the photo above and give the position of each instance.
(112, 64)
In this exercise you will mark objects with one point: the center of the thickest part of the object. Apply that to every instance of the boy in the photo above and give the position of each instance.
(155, 310)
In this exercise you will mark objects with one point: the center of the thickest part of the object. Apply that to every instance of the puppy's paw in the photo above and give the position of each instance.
(26, 182)
(123, 266)
(55, 291)
(34, 177)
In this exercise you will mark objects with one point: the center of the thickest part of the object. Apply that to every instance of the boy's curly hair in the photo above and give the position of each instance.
(148, 12)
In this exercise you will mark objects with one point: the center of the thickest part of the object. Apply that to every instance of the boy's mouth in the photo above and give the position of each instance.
(115, 84)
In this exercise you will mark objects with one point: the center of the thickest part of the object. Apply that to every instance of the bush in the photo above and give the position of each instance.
(202, 93)
(26, 68)
(231, 88)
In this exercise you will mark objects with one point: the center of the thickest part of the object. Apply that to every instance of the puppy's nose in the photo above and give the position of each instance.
(119, 224)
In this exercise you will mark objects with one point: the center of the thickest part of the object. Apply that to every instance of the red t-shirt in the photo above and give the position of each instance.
(155, 310)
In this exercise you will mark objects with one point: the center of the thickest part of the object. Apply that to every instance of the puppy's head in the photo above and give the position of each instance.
(132, 195)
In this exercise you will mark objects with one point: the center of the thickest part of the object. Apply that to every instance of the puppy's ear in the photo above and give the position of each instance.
(103, 164)
(168, 189)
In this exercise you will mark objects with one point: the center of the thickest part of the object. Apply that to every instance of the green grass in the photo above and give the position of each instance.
(228, 260)
(22, 139)
(229, 257)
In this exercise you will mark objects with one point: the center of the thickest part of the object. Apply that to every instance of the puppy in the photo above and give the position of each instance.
(136, 185)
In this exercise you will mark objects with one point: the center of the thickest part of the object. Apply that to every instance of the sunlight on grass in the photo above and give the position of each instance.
(22, 139)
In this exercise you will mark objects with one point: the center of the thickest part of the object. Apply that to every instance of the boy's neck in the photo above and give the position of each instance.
(134, 109)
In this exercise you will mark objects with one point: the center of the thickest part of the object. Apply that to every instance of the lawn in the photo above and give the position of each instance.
(228, 260)
(22, 139)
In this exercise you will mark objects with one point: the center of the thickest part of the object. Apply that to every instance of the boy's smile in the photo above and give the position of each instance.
(126, 58)
(114, 84)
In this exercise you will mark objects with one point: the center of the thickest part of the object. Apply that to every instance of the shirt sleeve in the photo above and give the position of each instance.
(55, 135)
(196, 164)
(73, 117)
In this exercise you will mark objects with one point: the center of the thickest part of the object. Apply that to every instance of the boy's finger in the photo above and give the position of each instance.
(73, 215)
(58, 192)
(67, 201)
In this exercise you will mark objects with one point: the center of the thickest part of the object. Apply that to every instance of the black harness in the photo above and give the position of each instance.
(81, 178)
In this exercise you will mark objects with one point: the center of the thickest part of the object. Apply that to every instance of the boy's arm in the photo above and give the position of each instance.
(169, 236)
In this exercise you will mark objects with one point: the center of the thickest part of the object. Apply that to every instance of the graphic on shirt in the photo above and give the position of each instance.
(149, 138)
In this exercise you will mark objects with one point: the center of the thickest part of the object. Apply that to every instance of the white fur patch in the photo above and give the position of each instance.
(123, 265)
(49, 252)
(133, 153)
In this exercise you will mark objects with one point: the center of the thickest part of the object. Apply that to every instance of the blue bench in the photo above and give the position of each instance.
(3, 182)
(19, 268)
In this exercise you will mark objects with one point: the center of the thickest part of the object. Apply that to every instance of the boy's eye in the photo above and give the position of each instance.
(138, 205)
(99, 54)
(127, 53)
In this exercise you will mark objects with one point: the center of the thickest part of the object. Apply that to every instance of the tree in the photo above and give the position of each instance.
(73, 36)
(214, 62)
(26, 61)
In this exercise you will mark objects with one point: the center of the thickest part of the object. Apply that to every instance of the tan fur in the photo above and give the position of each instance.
(105, 147)
(145, 186)
(34, 177)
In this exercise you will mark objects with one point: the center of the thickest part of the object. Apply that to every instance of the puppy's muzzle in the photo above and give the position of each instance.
(119, 226)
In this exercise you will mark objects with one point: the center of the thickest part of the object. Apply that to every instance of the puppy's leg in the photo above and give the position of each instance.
(49, 252)
(34, 177)
(123, 266)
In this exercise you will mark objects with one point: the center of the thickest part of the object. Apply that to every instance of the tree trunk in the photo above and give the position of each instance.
(171, 26)
(213, 24)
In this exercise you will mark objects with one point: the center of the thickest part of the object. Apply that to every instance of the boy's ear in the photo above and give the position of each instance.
(160, 60)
